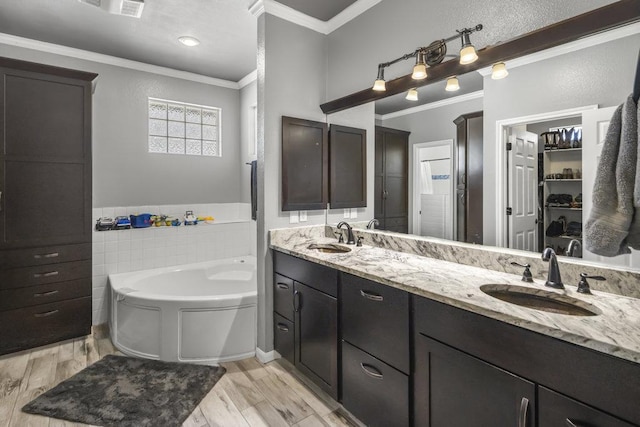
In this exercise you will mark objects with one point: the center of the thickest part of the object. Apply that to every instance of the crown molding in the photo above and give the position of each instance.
(86, 55)
(590, 41)
(248, 79)
(275, 8)
(433, 105)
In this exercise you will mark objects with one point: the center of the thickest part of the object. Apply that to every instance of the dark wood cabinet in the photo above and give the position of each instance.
(310, 338)
(391, 206)
(45, 204)
(453, 389)
(469, 190)
(305, 164)
(347, 167)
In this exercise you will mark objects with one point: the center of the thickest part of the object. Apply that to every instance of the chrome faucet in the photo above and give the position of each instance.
(350, 239)
(553, 280)
(373, 223)
(575, 248)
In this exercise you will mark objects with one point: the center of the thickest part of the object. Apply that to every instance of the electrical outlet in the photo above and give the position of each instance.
(303, 216)
(347, 213)
(354, 213)
(293, 217)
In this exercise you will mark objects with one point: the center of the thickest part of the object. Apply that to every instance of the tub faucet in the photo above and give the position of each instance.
(575, 248)
(553, 280)
(350, 238)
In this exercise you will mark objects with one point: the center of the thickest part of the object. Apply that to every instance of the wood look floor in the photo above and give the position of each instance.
(249, 394)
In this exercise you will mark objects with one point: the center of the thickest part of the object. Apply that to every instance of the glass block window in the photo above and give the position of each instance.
(179, 128)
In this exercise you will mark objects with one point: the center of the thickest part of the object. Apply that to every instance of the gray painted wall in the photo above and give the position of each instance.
(124, 173)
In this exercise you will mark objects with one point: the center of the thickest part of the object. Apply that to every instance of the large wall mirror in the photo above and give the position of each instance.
(567, 92)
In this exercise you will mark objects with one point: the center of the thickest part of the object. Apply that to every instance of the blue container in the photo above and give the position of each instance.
(140, 221)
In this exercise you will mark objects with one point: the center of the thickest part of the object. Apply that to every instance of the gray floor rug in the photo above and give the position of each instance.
(125, 391)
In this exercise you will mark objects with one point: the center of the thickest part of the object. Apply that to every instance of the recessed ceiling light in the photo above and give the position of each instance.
(189, 41)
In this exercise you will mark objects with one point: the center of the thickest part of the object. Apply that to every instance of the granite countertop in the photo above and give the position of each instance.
(616, 331)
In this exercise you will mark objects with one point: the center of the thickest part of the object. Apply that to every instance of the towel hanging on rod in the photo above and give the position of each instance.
(636, 83)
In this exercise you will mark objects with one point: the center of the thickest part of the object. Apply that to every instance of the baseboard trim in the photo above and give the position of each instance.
(266, 357)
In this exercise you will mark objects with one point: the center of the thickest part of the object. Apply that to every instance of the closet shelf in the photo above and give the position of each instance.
(563, 180)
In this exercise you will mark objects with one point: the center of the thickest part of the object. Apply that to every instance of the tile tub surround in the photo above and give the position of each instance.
(616, 331)
(619, 281)
(233, 233)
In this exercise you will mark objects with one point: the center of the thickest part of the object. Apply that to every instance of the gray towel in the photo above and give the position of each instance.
(608, 228)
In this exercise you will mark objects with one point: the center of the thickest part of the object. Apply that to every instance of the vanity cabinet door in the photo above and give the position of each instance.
(454, 389)
(316, 325)
(347, 167)
(555, 409)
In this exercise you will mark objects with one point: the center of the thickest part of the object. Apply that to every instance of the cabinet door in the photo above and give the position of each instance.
(454, 389)
(45, 160)
(555, 409)
(316, 328)
(305, 164)
(347, 167)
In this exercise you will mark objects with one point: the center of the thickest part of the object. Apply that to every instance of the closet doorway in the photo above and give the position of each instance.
(433, 207)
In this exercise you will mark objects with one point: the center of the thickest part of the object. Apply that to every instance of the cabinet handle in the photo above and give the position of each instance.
(283, 327)
(46, 314)
(49, 274)
(372, 297)
(571, 423)
(282, 286)
(371, 371)
(45, 294)
(296, 301)
(524, 412)
(51, 255)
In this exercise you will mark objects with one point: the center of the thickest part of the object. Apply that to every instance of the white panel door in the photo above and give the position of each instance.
(523, 190)
(595, 124)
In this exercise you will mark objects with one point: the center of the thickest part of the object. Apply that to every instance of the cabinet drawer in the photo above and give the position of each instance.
(373, 391)
(283, 337)
(38, 275)
(375, 318)
(557, 410)
(42, 294)
(283, 296)
(44, 255)
(319, 277)
(43, 324)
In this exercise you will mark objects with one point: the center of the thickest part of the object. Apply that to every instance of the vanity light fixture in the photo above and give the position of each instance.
(189, 41)
(452, 84)
(379, 84)
(412, 95)
(430, 55)
(499, 71)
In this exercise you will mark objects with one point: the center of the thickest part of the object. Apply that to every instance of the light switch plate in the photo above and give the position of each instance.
(347, 213)
(293, 217)
(303, 216)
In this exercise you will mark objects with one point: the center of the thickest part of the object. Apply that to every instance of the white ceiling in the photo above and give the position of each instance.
(226, 29)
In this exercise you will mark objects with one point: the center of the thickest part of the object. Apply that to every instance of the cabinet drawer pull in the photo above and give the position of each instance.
(45, 294)
(46, 314)
(282, 286)
(371, 371)
(371, 296)
(51, 255)
(283, 327)
(49, 274)
(571, 423)
(524, 412)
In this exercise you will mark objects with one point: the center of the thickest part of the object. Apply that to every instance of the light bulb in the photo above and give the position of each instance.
(379, 86)
(452, 84)
(499, 71)
(419, 72)
(412, 95)
(468, 55)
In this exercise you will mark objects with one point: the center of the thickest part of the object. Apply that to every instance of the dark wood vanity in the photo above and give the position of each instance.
(45, 204)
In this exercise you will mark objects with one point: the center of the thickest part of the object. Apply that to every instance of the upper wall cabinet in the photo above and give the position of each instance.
(348, 167)
(305, 164)
(309, 179)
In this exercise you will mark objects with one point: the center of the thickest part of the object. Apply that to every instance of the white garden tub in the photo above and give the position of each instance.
(199, 313)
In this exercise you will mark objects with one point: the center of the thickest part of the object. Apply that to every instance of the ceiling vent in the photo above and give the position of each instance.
(131, 8)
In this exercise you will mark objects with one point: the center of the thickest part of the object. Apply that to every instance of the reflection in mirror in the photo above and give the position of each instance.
(566, 94)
